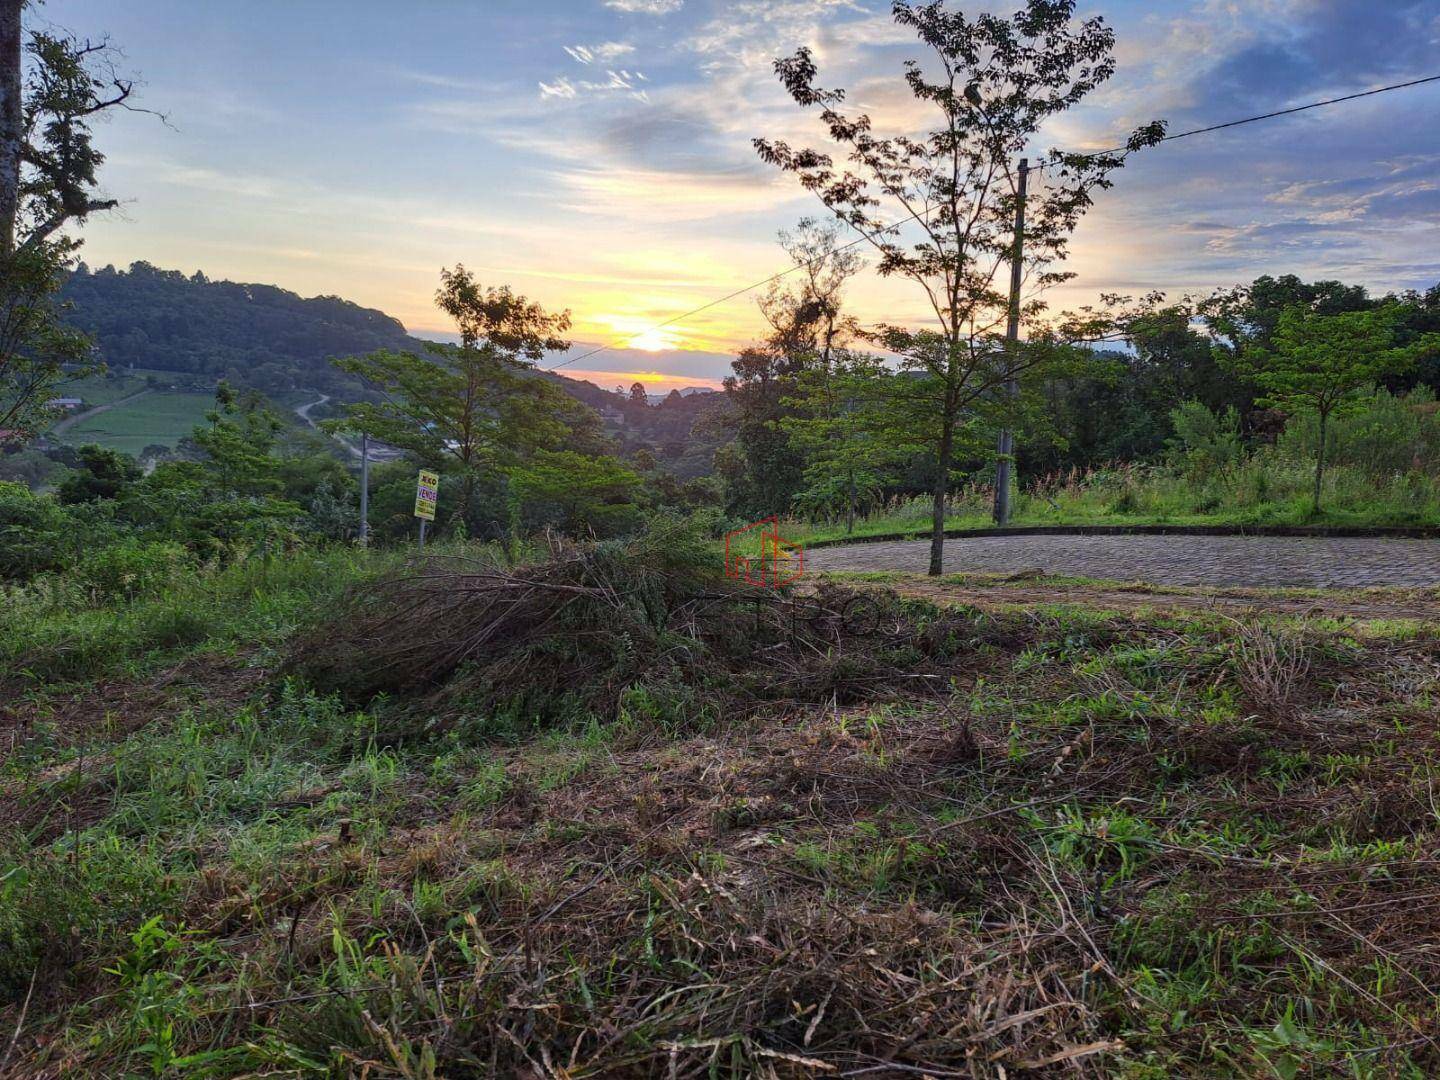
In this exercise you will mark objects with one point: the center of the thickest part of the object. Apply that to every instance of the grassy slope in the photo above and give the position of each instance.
(157, 418)
(1149, 845)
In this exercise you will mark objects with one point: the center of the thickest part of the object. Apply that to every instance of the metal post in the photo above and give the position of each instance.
(423, 523)
(1006, 447)
(364, 489)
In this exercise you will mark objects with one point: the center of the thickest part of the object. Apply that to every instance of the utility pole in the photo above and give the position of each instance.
(1006, 447)
(364, 489)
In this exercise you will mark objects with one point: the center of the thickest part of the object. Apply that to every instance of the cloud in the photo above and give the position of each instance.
(622, 81)
(606, 52)
(645, 7)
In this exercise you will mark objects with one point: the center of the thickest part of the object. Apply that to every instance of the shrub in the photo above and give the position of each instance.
(133, 567)
(1388, 435)
(1206, 443)
(35, 534)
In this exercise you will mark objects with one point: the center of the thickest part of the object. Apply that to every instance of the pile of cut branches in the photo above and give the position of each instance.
(649, 623)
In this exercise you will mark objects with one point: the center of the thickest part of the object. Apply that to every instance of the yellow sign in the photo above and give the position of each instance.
(427, 493)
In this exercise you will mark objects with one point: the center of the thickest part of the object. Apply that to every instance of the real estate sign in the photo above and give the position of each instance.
(427, 493)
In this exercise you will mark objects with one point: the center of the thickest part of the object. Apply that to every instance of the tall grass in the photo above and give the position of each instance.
(1268, 488)
(56, 630)
(1383, 468)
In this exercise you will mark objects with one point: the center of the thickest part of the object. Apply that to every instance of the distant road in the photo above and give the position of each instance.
(1261, 561)
(70, 421)
(304, 410)
(377, 452)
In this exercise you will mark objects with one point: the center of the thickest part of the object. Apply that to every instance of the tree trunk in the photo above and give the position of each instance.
(1320, 461)
(942, 487)
(11, 122)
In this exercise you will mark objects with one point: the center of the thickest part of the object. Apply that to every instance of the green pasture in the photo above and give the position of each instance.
(159, 417)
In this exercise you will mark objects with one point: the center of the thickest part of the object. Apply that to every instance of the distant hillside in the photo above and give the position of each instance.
(277, 341)
(256, 335)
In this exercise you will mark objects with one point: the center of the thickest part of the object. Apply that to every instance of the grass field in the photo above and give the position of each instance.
(159, 417)
(102, 389)
(1054, 839)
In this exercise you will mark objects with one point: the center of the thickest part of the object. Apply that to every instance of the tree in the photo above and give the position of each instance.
(1322, 362)
(103, 474)
(51, 87)
(805, 317)
(232, 488)
(477, 404)
(841, 427)
(998, 80)
(576, 493)
(765, 471)
(638, 396)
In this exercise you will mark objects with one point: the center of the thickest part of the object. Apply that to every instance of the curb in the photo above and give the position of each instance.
(1377, 532)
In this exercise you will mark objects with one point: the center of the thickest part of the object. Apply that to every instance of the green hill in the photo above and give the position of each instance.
(278, 342)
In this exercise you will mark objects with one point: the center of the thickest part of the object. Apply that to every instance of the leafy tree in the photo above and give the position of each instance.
(998, 80)
(638, 396)
(35, 533)
(805, 316)
(1247, 316)
(764, 470)
(103, 474)
(51, 87)
(1206, 443)
(476, 405)
(1321, 363)
(576, 493)
(842, 429)
(233, 490)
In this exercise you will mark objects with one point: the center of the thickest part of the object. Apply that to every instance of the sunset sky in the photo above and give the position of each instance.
(595, 154)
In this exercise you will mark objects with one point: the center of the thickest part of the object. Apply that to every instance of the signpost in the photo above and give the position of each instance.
(427, 494)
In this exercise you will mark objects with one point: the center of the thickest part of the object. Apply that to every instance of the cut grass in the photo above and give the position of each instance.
(1143, 846)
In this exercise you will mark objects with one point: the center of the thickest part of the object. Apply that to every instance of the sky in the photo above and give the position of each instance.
(595, 155)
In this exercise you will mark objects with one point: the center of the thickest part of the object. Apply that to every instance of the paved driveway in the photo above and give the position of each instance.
(1164, 560)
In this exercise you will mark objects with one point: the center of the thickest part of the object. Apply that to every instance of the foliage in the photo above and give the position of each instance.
(840, 426)
(249, 334)
(131, 567)
(1383, 434)
(34, 536)
(1322, 362)
(761, 470)
(51, 89)
(999, 79)
(1206, 443)
(575, 493)
(477, 407)
(102, 474)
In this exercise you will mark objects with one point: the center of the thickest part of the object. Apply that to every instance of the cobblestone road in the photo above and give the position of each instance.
(1165, 560)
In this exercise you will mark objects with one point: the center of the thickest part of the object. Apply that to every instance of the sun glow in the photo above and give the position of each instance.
(655, 341)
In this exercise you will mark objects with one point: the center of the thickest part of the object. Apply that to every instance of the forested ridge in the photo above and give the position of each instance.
(274, 340)
(259, 335)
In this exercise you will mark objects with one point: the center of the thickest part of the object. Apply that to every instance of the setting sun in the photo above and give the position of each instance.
(654, 341)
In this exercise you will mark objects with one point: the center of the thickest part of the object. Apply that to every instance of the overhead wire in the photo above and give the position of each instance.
(921, 214)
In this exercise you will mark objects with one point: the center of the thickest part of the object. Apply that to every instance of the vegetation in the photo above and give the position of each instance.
(558, 798)
(51, 89)
(1000, 79)
(1148, 835)
(1321, 363)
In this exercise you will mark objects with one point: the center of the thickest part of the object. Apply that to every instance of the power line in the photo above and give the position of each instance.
(1262, 116)
(866, 237)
